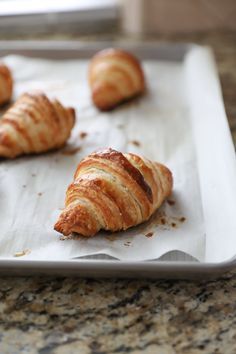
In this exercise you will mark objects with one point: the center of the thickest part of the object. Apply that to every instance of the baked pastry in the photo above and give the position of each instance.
(34, 124)
(6, 84)
(113, 191)
(114, 76)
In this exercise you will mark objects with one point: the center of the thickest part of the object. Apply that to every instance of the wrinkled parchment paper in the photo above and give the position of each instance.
(173, 124)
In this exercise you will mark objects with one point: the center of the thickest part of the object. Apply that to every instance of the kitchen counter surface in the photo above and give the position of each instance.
(69, 315)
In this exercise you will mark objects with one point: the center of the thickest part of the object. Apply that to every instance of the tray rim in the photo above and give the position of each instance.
(116, 269)
(8, 47)
(170, 269)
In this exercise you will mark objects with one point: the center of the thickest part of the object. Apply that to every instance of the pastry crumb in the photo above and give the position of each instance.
(182, 219)
(83, 135)
(163, 221)
(111, 238)
(135, 142)
(72, 151)
(63, 238)
(22, 253)
(173, 224)
(149, 234)
(171, 202)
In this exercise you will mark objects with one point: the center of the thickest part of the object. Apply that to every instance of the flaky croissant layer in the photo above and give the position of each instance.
(6, 84)
(113, 191)
(114, 76)
(34, 124)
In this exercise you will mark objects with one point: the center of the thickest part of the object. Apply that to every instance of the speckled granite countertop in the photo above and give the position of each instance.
(57, 316)
(67, 316)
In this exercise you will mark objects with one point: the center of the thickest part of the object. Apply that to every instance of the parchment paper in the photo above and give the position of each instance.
(159, 125)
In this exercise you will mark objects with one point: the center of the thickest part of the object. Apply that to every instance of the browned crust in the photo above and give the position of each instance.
(109, 190)
(120, 53)
(35, 115)
(76, 220)
(91, 191)
(106, 105)
(6, 91)
(113, 191)
(5, 140)
(145, 171)
(121, 160)
(168, 176)
(41, 100)
(106, 95)
(5, 71)
(101, 100)
(19, 129)
(71, 112)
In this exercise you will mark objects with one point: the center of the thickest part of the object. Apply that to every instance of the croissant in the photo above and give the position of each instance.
(113, 191)
(6, 84)
(34, 124)
(114, 76)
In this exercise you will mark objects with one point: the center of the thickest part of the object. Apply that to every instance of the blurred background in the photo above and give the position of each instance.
(207, 22)
(129, 16)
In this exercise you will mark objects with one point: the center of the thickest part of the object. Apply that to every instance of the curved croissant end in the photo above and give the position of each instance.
(113, 191)
(34, 124)
(114, 76)
(6, 84)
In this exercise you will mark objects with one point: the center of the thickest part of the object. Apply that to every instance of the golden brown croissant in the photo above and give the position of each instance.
(114, 76)
(6, 84)
(34, 124)
(113, 191)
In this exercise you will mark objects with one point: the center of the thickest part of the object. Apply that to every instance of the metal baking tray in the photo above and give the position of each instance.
(172, 265)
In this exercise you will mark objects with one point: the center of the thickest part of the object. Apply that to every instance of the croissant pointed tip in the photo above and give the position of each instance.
(6, 149)
(76, 219)
(62, 228)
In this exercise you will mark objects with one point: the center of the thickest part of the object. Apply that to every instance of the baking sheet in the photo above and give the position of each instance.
(161, 123)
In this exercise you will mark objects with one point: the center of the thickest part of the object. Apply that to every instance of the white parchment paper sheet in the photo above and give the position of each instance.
(32, 189)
